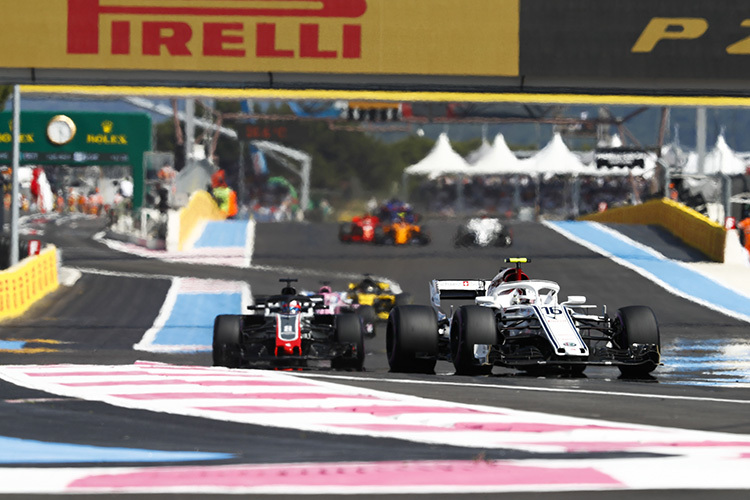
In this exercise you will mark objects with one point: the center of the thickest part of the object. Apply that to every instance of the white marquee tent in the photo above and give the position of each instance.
(479, 153)
(554, 159)
(441, 160)
(499, 160)
(720, 160)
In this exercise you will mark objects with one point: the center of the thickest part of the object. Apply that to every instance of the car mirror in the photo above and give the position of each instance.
(575, 300)
(484, 301)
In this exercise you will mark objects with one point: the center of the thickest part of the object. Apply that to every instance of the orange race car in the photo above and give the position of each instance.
(400, 225)
(401, 232)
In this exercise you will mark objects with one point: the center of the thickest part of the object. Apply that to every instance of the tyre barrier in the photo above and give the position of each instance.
(24, 247)
(28, 281)
(693, 228)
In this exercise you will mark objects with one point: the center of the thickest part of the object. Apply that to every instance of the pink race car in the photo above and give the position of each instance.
(339, 302)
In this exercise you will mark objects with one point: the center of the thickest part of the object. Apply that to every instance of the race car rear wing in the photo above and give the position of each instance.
(273, 302)
(457, 290)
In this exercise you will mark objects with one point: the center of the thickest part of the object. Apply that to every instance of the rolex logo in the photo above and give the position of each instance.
(7, 137)
(107, 137)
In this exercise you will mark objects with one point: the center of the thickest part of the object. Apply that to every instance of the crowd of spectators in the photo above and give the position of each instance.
(271, 202)
(557, 196)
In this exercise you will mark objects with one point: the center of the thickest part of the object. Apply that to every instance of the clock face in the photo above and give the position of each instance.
(61, 130)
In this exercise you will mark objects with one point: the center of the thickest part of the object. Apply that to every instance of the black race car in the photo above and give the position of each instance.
(289, 329)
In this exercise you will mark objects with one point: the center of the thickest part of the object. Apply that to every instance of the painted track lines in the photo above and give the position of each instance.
(626, 455)
(385, 476)
(185, 321)
(278, 399)
(221, 243)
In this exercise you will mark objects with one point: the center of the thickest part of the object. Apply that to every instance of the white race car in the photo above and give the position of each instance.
(483, 232)
(518, 322)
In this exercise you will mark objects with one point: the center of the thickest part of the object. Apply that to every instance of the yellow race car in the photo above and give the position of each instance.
(376, 298)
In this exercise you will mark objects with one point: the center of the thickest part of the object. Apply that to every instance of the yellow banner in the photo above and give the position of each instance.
(416, 37)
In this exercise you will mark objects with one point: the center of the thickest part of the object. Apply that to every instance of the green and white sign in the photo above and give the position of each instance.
(81, 139)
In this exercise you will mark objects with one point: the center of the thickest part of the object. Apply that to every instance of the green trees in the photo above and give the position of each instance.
(5, 92)
(347, 162)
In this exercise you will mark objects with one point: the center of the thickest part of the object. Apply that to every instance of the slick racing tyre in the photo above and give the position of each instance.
(226, 343)
(472, 325)
(421, 237)
(369, 318)
(638, 325)
(349, 331)
(379, 236)
(463, 238)
(424, 236)
(412, 330)
(503, 240)
(345, 232)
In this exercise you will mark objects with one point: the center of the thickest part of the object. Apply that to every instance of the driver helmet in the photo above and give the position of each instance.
(520, 297)
(368, 286)
(291, 307)
(513, 274)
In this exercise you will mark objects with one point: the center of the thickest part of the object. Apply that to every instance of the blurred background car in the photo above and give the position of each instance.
(484, 232)
(376, 297)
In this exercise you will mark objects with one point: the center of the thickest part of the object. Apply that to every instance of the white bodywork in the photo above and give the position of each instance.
(484, 229)
(517, 300)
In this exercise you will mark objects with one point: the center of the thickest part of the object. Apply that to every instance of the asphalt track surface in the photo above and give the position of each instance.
(100, 317)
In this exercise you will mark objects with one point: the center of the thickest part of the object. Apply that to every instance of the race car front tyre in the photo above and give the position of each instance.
(472, 325)
(226, 342)
(412, 331)
(638, 325)
(369, 318)
(349, 331)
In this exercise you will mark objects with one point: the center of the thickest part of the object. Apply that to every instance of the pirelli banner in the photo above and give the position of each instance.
(304, 36)
(479, 44)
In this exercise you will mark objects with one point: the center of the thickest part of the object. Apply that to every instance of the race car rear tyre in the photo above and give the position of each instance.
(403, 299)
(412, 330)
(226, 342)
(369, 318)
(349, 331)
(503, 240)
(423, 236)
(472, 325)
(638, 325)
(378, 235)
(345, 232)
(463, 237)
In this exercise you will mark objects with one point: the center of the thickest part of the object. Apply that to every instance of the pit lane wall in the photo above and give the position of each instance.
(200, 208)
(694, 228)
(27, 282)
